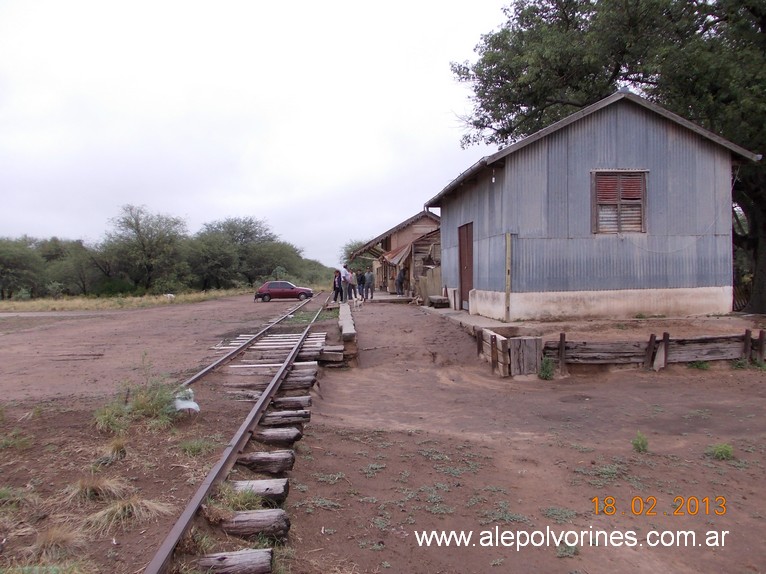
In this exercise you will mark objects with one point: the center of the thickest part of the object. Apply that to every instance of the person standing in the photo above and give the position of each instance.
(352, 286)
(401, 276)
(369, 284)
(360, 283)
(345, 277)
(337, 287)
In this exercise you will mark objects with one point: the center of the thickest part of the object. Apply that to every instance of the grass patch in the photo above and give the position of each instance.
(230, 498)
(153, 403)
(94, 487)
(65, 567)
(57, 543)
(114, 452)
(502, 514)
(319, 502)
(559, 515)
(740, 363)
(15, 440)
(566, 551)
(721, 451)
(640, 443)
(547, 369)
(111, 303)
(197, 447)
(16, 498)
(328, 478)
(372, 469)
(123, 513)
(701, 365)
(698, 414)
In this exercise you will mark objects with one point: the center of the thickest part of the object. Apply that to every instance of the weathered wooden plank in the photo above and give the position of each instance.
(274, 462)
(283, 418)
(303, 384)
(272, 522)
(238, 562)
(272, 489)
(278, 436)
(525, 355)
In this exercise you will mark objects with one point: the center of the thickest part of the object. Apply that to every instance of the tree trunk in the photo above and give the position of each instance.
(757, 222)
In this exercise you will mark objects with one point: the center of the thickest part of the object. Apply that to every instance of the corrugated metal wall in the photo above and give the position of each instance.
(542, 197)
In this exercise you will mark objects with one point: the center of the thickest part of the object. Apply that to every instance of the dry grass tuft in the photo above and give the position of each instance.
(122, 513)
(94, 487)
(57, 543)
(115, 451)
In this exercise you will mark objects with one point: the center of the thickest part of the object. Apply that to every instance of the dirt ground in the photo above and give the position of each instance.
(416, 436)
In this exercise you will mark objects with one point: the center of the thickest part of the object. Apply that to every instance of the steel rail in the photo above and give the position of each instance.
(230, 355)
(164, 554)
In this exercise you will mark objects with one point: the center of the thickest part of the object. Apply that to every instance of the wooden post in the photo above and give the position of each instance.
(748, 346)
(563, 354)
(666, 344)
(650, 351)
(761, 341)
(493, 352)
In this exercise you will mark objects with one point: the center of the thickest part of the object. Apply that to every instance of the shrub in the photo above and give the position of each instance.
(547, 369)
(640, 442)
(721, 451)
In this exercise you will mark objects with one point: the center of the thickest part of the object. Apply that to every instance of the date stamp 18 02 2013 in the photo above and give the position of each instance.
(647, 506)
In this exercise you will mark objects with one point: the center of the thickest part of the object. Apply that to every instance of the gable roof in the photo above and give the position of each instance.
(593, 108)
(373, 242)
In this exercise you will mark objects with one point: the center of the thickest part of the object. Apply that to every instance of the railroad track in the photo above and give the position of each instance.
(276, 371)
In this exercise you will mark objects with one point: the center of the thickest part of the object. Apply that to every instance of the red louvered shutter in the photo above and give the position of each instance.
(620, 200)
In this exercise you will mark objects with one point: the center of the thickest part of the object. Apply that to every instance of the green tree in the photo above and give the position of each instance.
(74, 269)
(703, 59)
(21, 268)
(349, 247)
(213, 260)
(246, 235)
(147, 246)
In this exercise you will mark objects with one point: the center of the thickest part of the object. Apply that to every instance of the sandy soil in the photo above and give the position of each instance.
(415, 436)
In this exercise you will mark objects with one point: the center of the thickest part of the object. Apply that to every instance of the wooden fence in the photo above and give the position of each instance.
(510, 356)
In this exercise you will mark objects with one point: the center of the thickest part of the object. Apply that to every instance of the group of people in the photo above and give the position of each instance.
(348, 285)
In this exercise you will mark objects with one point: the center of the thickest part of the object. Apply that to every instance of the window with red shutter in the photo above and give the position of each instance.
(619, 201)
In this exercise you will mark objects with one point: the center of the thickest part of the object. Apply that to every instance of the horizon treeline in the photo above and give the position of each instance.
(149, 253)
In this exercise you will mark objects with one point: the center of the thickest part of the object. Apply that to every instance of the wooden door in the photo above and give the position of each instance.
(465, 262)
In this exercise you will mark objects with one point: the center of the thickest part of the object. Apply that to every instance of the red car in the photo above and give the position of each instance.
(282, 290)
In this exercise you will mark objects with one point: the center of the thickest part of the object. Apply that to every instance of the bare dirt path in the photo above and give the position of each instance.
(417, 436)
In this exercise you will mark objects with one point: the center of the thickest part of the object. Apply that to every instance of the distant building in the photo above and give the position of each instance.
(619, 209)
(396, 248)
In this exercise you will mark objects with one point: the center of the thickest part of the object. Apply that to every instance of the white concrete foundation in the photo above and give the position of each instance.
(601, 304)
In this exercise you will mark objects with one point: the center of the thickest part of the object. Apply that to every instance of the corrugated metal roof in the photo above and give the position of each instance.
(396, 256)
(370, 245)
(618, 96)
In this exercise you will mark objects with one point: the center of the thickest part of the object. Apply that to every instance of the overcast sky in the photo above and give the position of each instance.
(332, 121)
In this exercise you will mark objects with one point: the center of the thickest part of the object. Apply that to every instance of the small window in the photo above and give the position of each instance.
(619, 201)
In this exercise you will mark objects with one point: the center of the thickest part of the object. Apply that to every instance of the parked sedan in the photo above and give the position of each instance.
(282, 290)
